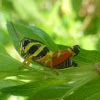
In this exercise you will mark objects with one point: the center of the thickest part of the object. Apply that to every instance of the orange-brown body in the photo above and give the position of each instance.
(54, 58)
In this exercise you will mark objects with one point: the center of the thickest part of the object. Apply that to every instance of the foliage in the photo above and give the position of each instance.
(68, 22)
(78, 83)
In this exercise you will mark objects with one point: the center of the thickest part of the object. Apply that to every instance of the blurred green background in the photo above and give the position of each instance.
(68, 22)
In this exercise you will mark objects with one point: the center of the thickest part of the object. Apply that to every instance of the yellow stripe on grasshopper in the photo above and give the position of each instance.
(30, 45)
(38, 51)
(20, 47)
(73, 53)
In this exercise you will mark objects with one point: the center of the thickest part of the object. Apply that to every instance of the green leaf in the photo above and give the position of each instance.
(88, 56)
(3, 51)
(7, 63)
(4, 96)
(28, 88)
(30, 32)
(59, 92)
(89, 91)
(60, 86)
(9, 82)
(85, 56)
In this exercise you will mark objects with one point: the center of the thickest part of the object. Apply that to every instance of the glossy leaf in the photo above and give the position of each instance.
(7, 63)
(85, 56)
(60, 86)
(30, 32)
(89, 91)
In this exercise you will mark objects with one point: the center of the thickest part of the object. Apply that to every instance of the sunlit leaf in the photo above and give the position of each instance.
(7, 63)
(30, 32)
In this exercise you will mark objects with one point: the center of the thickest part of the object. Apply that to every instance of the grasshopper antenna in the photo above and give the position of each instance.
(15, 31)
